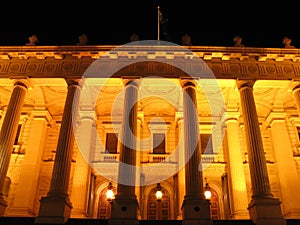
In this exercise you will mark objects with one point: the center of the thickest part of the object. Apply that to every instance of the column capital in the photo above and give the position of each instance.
(134, 81)
(42, 114)
(87, 115)
(23, 83)
(141, 116)
(231, 115)
(275, 116)
(241, 84)
(294, 86)
(179, 116)
(71, 82)
(186, 82)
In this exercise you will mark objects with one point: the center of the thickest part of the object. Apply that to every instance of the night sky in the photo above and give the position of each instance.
(209, 23)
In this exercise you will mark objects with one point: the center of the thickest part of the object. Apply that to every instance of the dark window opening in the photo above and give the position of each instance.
(111, 144)
(206, 144)
(159, 144)
(18, 134)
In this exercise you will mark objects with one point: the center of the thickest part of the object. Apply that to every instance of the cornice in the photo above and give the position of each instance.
(225, 62)
(96, 51)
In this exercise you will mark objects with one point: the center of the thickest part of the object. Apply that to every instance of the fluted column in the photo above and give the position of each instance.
(56, 206)
(8, 132)
(196, 209)
(81, 178)
(289, 181)
(181, 162)
(264, 209)
(125, 206)
(236, 168)
(138, 188)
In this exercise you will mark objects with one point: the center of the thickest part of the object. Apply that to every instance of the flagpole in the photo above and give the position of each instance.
(158, 23)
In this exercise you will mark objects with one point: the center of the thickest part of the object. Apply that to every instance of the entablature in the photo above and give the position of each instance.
(225, 62)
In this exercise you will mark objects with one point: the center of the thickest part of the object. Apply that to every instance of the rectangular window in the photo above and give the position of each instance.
(226, 196)
(206, 144)
(111, 144)
(18, 134)
(159, 144)
(298, 130)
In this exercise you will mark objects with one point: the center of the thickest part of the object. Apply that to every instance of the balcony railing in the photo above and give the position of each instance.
(158, 158)
(107, 157)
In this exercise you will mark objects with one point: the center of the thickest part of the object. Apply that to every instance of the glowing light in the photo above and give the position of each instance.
(110, 195)
(158, 193)
(207, 192)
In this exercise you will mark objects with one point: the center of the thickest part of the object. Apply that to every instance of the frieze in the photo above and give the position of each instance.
(224, 62)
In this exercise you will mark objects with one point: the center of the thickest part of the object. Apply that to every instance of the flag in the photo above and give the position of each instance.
(161, 24)
(160, 15)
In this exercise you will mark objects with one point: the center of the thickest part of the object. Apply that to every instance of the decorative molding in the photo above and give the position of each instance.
(224, 62)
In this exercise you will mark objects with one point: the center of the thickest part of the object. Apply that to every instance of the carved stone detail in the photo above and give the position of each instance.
(254, 63)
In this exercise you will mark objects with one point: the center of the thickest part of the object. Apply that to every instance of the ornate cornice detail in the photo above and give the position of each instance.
(225, 62)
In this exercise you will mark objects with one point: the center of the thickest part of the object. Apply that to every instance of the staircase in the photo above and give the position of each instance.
(30, 221)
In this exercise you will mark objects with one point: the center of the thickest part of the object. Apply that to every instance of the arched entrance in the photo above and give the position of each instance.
(104, 206)
(158, 210)
(214, 205)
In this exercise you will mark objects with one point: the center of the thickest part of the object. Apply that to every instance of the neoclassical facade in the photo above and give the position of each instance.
(79, 120)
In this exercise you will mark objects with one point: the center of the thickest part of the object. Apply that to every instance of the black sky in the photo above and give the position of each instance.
(209, 23)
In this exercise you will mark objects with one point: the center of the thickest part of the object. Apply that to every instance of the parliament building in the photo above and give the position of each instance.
(144, 131)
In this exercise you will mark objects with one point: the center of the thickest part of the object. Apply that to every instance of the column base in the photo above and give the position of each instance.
(21, 212)
(3, 205)
(196, 212)
(79, 213)
(292, 214)
(124, 212)
(265, 211)
(54, 210)
(240, 215)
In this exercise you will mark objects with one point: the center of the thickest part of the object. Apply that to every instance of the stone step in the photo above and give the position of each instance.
(73, 221)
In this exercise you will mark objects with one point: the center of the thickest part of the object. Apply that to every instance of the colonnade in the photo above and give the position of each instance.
(56, 206)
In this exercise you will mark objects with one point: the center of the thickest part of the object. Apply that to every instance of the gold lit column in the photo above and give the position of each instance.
(138, 188)
(25, 198)
(125, 206)
(56, 206)
(287, 172)
(236, 168)
(181, 160)
(264, 208)
(196, 209)
(296, 93)
(9, 131)
(82, 172)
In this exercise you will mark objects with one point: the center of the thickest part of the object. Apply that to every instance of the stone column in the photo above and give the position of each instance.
(82, 172)
(296, 93)
(138, 188)
(196, 209)
(264, 209)
(8, 132)
(236, 168)
(287, 172)
(181, 162)
(125, 206)
(56, 206)
(25, 196)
